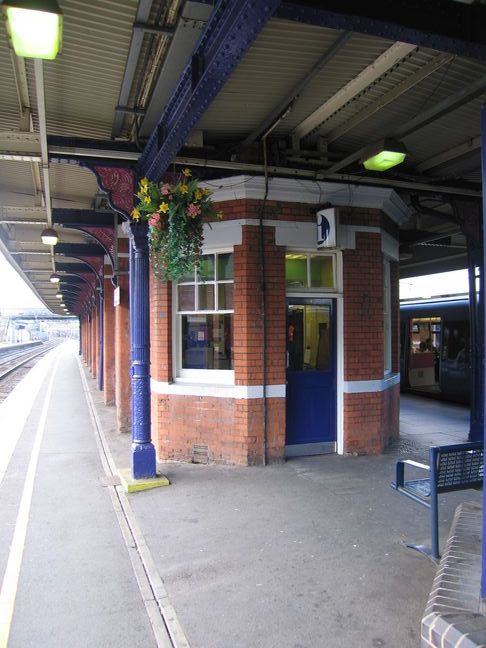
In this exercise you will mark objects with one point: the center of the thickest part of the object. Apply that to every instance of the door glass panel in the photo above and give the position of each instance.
(309, 337)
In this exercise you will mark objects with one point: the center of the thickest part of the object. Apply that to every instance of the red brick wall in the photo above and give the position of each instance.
(231, 429)
(363, 309)
(371, 420)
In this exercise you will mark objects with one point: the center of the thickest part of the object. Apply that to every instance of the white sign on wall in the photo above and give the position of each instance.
(326, 228)
(116, 296)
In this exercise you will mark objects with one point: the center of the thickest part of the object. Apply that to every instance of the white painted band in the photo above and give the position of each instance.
(367, 386)
(243, 392)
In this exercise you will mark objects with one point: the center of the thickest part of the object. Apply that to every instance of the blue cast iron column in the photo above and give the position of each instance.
(101, 315)
(143, 451)
(483, 306)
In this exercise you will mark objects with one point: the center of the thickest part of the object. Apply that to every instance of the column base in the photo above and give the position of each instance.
(143, 461)
(131, 485)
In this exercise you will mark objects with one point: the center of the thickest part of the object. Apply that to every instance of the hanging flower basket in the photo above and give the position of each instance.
(175, 215)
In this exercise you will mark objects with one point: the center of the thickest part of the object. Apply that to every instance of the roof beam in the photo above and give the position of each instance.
(470, 146)
(443, 25)
(142, 16)
(287, 103)
(229, 33)
(363, 80)
(426, 70)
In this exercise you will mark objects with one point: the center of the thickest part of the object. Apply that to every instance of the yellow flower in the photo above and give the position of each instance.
(206, 191)
(144, 184)
(164, 207)
(146, 200)
(219, 215)
(184, 188)
(187, 173)
(135, 214)
(198, 194)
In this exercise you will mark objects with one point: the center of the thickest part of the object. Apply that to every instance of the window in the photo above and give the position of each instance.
(387, 355)
(304, 271)
(205, 317)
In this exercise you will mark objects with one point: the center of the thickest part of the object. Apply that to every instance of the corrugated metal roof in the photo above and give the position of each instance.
(83, 84)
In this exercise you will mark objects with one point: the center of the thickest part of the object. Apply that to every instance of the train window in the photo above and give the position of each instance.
(425, 334)
(456, 341)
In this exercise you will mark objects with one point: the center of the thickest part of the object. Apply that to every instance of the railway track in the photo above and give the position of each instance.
(12, 361)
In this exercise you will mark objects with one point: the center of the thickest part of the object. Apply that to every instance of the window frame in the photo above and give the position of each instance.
(214, 376)
(316, 289)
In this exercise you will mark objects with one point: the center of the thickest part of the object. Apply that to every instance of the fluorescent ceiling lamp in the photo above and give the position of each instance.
(383, 155)
(62, 305)
(34, 27)
(59, 295)
(54, 278)
(49, 236)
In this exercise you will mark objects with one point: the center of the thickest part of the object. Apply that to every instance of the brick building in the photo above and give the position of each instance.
(324, 377)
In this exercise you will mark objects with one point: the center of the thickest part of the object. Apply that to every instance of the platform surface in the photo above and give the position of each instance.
(304, 554)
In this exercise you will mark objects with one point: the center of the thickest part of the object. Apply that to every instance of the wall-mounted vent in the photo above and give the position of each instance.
(200, 454)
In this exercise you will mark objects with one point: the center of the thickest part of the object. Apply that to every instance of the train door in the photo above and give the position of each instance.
(456, 361)
(424, 354)
(311, 377)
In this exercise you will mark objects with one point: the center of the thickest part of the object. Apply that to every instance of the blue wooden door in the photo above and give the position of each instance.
(311, 377)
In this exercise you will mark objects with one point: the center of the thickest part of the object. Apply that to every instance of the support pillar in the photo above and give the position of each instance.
(100, 340)
(143, 451)
(122, 350)
(483, 307)
(108, 339)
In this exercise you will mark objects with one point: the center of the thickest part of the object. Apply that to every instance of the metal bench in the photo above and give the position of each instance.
(451, 468)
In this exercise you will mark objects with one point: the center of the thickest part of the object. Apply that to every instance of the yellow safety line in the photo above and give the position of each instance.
(8, 592)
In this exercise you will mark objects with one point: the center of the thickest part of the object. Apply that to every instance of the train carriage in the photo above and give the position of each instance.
(436, 348)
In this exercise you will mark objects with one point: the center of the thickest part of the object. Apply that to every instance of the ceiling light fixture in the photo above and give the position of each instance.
(383, 155)
(59, 295)
(34, 27)
(49, 236)
(54, 278)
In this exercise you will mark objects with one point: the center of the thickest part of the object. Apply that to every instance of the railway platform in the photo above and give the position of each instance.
(307, 553)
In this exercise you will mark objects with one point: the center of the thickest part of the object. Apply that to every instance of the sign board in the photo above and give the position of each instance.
(116, 296)
(326, 228)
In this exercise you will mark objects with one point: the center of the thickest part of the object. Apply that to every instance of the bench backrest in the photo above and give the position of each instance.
(457, 467)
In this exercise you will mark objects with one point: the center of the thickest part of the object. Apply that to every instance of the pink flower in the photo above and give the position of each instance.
(154, 219)
(164, 189)
(193, 210)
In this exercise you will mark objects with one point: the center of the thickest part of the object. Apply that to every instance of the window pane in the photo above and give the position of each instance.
(206, 296)
(225, 266)
(309, 338)
(186, 298)
(225, 296)
(190, 276)
(207, 341)
(296, 270)
(321, 272)
(206, 268)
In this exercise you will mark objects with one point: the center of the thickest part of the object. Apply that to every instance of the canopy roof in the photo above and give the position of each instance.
(317, 86)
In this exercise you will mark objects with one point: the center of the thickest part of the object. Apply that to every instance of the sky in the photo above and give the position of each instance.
(14, 292)
(443, 284)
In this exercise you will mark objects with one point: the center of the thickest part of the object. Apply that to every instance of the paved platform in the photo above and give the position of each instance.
(302, 554)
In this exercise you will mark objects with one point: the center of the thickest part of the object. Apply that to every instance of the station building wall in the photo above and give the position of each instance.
(209, 418)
